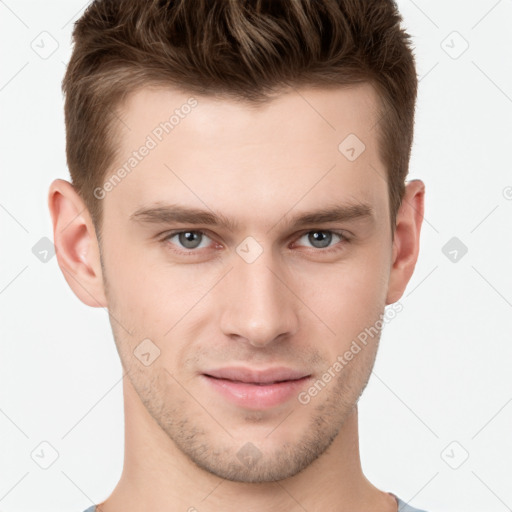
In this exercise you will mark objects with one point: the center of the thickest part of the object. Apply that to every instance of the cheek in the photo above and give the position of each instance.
(150, 296)
(349, 294)
(132, 294)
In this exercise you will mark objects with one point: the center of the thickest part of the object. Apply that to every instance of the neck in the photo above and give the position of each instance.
(157, 476)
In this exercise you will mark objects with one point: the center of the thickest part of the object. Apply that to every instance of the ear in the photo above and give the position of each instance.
(76, 245)
(406, 243)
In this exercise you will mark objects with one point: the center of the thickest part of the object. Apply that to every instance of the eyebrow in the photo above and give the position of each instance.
(175, 213)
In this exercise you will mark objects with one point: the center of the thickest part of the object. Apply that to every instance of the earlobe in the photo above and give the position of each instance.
(76, 245)
(407, 239)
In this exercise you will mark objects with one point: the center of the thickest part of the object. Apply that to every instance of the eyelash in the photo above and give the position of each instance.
(193, 252)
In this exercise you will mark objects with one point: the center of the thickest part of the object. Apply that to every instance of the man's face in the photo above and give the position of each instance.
(262, 294)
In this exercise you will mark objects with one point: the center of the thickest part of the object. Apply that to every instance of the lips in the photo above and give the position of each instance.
(261, 377)
(255, 389)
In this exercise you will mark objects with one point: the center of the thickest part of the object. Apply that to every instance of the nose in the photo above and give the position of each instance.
(259, 305)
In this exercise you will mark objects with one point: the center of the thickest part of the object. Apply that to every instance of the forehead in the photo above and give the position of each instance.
(304, 144)
(300, 111)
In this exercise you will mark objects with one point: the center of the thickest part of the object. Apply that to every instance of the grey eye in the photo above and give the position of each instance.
(320, 239)
(190, 239)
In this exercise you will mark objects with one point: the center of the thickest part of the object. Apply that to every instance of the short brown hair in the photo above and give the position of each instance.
(244, 49)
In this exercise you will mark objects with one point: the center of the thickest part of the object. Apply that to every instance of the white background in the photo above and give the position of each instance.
(442, 385)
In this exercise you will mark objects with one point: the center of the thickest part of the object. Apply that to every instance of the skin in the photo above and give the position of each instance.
(295, 305)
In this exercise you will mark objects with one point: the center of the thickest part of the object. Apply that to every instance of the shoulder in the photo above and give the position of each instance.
(403, 506)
